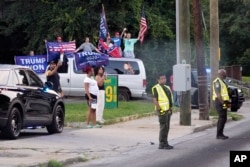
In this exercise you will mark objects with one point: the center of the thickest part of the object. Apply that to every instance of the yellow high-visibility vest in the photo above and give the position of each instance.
(223, 91)
(162, 97)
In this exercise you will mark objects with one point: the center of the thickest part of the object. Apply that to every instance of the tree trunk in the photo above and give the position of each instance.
(201, 70)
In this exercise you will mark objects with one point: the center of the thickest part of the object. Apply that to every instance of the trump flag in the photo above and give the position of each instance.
(86, 59)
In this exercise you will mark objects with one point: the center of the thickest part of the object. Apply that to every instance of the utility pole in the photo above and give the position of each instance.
(183, 54)
(214, 45)
(201, 70)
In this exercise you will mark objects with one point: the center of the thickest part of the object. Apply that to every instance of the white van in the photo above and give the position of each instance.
(130, 83)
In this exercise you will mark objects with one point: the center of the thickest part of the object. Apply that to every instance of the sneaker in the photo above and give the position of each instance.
(97, 126)
(222, 137)
(89, 126)
(166, 147)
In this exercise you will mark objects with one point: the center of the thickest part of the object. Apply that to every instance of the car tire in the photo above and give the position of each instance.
(234, 109)
(123, 95)
(14, 123)
(57, 121)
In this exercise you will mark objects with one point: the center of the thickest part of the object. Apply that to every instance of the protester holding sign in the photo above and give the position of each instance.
(53, 76)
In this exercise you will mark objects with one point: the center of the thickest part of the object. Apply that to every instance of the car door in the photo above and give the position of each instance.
(37, 107)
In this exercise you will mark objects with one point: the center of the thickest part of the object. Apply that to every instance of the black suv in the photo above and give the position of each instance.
(26, 102)
(236, 94)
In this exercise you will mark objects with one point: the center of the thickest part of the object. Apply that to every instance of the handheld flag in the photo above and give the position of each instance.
(143, 26)
(103, 26)
(53, 49)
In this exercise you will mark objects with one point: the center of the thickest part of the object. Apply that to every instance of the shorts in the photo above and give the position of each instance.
(93, 103)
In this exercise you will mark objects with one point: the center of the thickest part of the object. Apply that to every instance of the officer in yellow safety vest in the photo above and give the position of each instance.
(221, 98)
(163, 100)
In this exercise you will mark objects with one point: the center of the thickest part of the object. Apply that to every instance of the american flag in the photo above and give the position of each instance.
(54, 48)
(143, 26)
(64, 46)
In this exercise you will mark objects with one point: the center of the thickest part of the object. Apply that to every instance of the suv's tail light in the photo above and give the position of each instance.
(144, 83)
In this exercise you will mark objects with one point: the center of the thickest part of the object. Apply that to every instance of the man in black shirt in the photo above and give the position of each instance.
(53, 76)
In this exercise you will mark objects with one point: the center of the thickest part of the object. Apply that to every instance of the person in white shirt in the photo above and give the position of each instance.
(91, 92)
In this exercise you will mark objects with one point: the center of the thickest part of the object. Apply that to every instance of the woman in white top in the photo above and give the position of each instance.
(91, 91)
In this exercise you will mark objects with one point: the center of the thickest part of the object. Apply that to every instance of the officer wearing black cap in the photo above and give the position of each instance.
(221, 98)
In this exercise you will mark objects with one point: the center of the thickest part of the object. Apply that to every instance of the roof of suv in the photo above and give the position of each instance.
(10, 66)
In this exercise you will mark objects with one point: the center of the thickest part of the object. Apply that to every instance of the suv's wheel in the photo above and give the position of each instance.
(58, 121)
(123, 95)
(234, 109)
(13, 128)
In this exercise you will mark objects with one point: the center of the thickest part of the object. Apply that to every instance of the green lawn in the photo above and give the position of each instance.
(246, 79)
(76, 112)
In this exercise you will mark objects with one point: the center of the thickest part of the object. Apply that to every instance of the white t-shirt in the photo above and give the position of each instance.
(93, 87)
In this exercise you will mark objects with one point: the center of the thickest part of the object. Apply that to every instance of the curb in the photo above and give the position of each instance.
(213, 124)
(112, 121)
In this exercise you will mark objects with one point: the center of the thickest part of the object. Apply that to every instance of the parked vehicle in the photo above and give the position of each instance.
(131, 78)
(236, 94)
(25, 102)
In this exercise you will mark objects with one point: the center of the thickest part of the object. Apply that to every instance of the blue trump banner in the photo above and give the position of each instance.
(54, 49)
(37, 63)
(85, 59)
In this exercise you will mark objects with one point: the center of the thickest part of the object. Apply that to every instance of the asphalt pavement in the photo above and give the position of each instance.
(146, 129)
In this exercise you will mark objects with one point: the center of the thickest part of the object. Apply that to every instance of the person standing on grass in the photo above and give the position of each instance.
(91, 92)
(163, 101)
(100, 77)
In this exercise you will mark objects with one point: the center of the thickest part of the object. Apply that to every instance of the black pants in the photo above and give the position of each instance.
(222, 117)
(164, 120)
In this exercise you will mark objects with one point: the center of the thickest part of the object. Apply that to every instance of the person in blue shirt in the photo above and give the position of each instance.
(117, 40)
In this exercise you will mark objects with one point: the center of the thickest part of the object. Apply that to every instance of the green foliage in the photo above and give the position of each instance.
(54, 163)
(234, 29)
(24, 25)
(246, 79)
(245, 62)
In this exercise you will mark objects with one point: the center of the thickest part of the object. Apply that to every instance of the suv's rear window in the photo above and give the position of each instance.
(4, 77)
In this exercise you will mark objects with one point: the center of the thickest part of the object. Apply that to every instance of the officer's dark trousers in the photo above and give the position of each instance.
(164, 120)
(222, 117)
